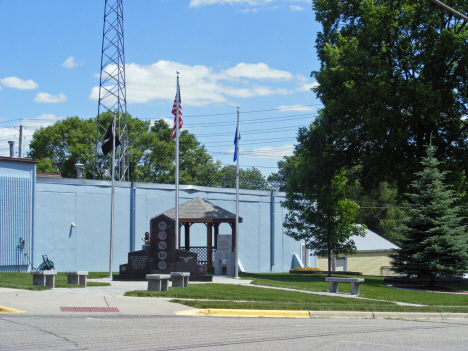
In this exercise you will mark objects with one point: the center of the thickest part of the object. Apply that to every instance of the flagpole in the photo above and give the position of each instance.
(177, 166)
(236, 250)
(112, 197)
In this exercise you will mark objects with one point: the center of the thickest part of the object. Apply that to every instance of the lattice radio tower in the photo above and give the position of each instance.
(112, 93)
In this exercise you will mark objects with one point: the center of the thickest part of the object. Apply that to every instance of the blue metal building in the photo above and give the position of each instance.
(69, 220)
(17, 191)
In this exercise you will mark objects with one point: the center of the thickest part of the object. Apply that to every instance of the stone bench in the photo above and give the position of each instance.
(180, 279)
(354, 284)
(44, 278)
(77, 277)
(158, 282)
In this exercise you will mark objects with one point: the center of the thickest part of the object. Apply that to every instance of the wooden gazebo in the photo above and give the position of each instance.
(198, 210)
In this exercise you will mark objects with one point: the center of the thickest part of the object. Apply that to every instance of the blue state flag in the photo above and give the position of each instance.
(235, 143)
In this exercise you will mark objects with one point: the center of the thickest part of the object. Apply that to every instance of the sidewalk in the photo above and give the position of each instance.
(108, 300)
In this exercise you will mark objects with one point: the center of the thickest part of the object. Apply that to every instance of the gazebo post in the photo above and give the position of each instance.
(216, 233)
(209, 247)
(233, 227)
(180, 233)
(187, 236)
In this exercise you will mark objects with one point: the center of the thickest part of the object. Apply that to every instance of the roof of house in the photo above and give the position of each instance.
(198, 210)
(49, 174)
(372, 242)
(18, 159)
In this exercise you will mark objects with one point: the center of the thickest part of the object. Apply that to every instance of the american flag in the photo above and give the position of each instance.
(174, 112)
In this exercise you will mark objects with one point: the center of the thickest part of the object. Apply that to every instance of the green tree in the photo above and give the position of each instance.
(137, 130)
(381, 209)
(151, 151)
(157, 162)
(435, 241)
(285, 168)
(316, 197)
(250, 178)
(60, 146)
(393, 73)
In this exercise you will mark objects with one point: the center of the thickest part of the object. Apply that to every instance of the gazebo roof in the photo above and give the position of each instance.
(198, 210)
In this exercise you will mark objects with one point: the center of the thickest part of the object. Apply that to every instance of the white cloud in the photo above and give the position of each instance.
(308, 87)
(29, 127)
(198, 3)
(200, 85)
(265, 152)
(254, 91)
(50, 99)
(271, 152)
(257, 71)
(44, 120)
(295, 108)
(296, 8)
(70, 63)
(169, 121)
(18, 83)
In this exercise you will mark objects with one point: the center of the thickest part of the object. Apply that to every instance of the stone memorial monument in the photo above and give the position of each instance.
(161, 256)
(224, 252)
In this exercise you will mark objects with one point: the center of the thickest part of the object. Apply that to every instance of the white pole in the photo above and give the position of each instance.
(112, 197)
(236, 251)
(177, 167)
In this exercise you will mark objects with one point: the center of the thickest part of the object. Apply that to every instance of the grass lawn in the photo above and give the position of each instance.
(247, 297)
(25, 281)
(373, 288)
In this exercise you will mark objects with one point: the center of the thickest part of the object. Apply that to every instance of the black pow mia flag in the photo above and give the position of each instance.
(107, 143)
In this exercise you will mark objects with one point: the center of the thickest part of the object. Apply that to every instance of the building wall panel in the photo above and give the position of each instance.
(15, 221)
(86, 203)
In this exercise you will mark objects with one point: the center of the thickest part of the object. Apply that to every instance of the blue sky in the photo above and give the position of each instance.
(257, 54)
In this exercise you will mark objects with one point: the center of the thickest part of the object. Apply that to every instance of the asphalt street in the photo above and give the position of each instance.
(45, 320)
(21, 332)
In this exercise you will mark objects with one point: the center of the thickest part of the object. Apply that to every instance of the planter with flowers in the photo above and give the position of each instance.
(308, 270)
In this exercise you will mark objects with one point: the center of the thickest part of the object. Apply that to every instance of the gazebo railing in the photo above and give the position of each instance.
(202, 252)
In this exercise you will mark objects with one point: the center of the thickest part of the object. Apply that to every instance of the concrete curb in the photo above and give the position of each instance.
(4, 309)
(419, 315)
(340, 314)
(320, 314)
(245, 313)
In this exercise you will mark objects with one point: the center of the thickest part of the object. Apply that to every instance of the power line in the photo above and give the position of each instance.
(254, 111)
(258, 141)
(255, 131)
(193, 116)
(252, 121)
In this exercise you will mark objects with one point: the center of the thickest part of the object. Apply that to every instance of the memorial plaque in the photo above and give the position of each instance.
(162, 247)
(187, 261)
(137, 263)
(224, 247)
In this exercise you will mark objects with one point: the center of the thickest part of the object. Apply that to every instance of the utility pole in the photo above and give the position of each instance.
(20, 146)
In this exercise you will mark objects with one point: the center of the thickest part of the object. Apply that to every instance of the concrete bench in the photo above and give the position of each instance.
(77, 277)
(158, 282)
(44, 278)
(180, 279)
(354, 284)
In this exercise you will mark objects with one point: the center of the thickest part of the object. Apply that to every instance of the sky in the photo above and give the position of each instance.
(255, 54)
